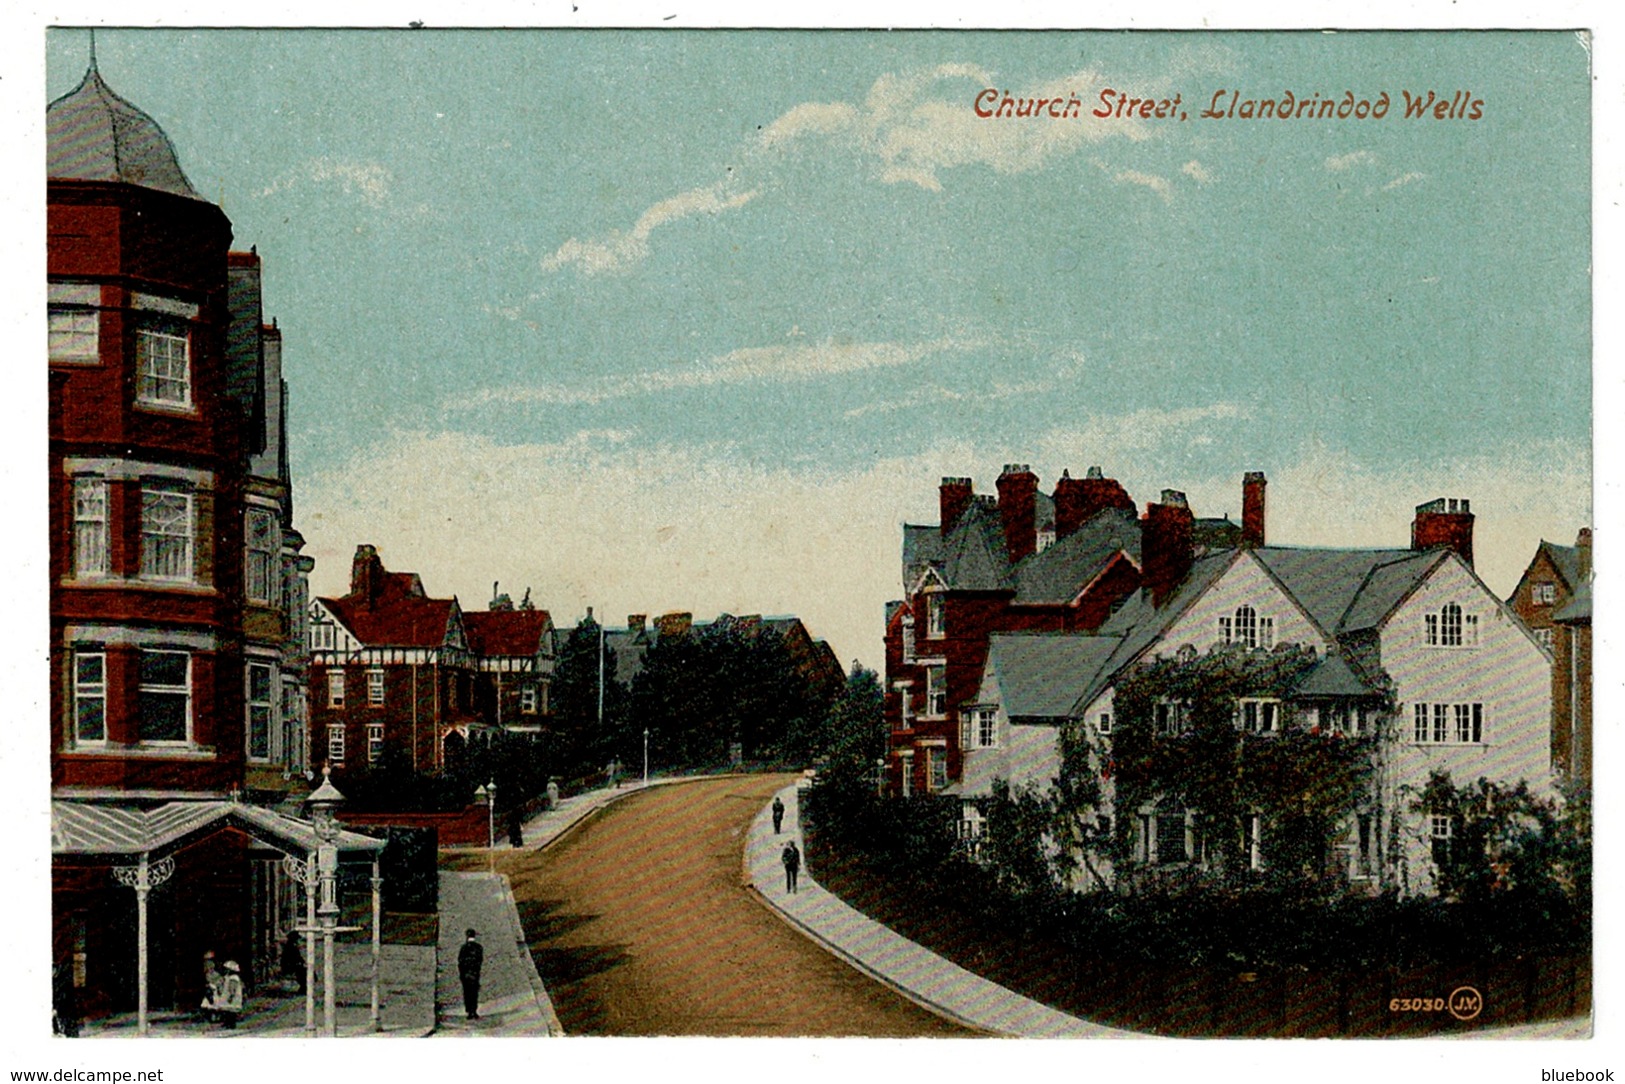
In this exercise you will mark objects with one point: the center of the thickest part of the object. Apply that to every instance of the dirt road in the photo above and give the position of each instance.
(639, 925)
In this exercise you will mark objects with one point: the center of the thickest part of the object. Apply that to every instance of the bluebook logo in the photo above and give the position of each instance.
(1575, 1074)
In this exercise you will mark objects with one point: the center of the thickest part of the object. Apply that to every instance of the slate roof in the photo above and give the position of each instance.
(1342, 590)
(1041, 675)
(1566, 559)
(1333, 676)
(506, 632)
(1056, 575)
(91, 134)
(1577, 611)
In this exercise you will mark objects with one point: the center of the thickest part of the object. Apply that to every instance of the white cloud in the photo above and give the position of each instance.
(1403, 179)
(911, 126)
(1341, 162)
(777, 364)
(369, 180)
(599, 519)
(1159, 185)
(620, 251)
(1197, 172)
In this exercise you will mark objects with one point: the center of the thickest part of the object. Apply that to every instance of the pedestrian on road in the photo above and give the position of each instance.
(516, 829)
(792, 865)
(778, 814)
(228, 1005)
(469, 961)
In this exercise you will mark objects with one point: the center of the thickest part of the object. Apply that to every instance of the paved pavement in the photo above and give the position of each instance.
(512, 999)
(406, 1004)
(909, 968)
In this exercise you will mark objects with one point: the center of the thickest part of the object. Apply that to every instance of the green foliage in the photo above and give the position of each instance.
(577, 743)
(1509, 843)
(726, 683)
(1302, 781)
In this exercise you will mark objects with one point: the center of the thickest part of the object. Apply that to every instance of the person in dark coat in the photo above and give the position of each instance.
(778, 814)
(293, 963)
(516, 829)
(792, 865)
(470, 958)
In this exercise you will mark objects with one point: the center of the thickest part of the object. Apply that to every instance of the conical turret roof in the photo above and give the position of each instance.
(94, 135)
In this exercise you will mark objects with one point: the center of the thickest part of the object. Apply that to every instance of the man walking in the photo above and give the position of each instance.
(778, 814)
(792, 865)
(470, 958)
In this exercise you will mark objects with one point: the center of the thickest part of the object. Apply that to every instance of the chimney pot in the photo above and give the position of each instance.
(1094, 472)
(1446, 522)
(1078, 500)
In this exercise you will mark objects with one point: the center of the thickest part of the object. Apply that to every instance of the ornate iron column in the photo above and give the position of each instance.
(144, 876)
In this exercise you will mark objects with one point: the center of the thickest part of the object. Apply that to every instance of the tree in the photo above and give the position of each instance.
(578, 743)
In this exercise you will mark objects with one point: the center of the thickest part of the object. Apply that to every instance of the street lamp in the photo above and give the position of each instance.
(645, 756)
(323, 806)
(488, 795)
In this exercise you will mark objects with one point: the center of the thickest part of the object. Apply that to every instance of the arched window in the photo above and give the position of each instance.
(1450, 625)
(1246, 626)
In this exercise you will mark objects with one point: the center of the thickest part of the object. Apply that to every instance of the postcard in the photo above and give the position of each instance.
(818, 533)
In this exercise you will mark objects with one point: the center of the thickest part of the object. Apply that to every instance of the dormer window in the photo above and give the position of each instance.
(1450, 627)
(1545, 593)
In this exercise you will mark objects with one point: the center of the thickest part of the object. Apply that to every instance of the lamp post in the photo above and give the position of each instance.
(645, 756)
(488, 795)
(323, 806)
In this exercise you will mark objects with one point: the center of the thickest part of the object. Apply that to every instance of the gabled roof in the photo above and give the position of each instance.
(1042, 675)
(1139, 624)
(1566, 559)
(974, 556)
(396, 620)
(1056, 575)
(506, 632)
(1345, 589)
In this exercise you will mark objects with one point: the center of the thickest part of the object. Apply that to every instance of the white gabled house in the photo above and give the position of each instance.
(1413, 648)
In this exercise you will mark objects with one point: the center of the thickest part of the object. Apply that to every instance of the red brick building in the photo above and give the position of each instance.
(176, 582)
(398, 675)
(1553, 598)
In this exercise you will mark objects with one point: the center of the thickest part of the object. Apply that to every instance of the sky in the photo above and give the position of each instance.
(696, 320)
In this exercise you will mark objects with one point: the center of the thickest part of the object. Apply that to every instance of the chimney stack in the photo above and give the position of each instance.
(1078, 500)
(1166, 546)
(1018, 501)
(637, 624)
(1446, 522)
(1582, 543)
(954, 497)
(675, 624)
(366, 575)
(1252, 508)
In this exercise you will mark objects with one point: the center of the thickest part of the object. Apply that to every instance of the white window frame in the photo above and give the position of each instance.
(335, 743)
(936, 616)
(527, 699)
(1459, 723)
(261, 580)
(335, 688)
(1103, 723)
(263, 706)
(74, 336)
(1169, 718)
(906, 761)
(375, 687)
(89, 692)
(375, 742)
(1441, 830)
(150, 688)
(1452, 626)
(1546, 638)
(91, 557)
(168, 534)
(936, 768)
(1252, 828)
(987, 729)
(936, 693)
(1544, 593)
(160, 351)
(1259, 714)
